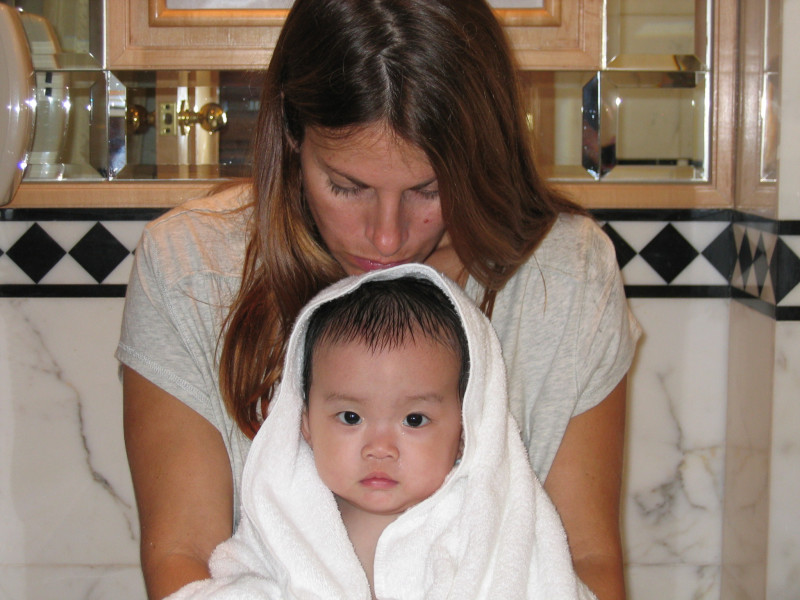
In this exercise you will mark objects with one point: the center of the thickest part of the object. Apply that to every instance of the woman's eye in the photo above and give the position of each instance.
(341, 190)
(349, 417)
(429, 194)
(415, 420)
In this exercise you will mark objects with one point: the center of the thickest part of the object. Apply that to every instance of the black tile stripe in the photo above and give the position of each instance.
(669, 253)
(62, 291)
(81, 214)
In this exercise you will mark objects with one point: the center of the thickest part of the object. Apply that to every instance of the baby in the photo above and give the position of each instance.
(389, 466)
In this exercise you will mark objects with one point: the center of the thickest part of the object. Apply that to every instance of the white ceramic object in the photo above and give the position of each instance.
(16, 102)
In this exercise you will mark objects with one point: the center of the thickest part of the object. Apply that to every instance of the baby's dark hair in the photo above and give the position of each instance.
(385, 314)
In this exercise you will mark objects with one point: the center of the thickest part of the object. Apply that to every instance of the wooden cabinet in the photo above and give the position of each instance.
(145, 34)
(564, 35)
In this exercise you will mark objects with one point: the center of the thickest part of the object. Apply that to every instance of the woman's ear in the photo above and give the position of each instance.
(304, 428)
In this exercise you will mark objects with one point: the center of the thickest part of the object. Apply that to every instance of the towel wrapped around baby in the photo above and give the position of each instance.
(489, 532)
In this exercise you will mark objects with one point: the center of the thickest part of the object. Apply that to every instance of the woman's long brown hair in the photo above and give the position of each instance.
(439, 73)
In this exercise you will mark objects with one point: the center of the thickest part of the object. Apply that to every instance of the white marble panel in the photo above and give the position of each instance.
(751, 357)
(65, 491)
(783, 572)
(672, 505)
(71, 583)
(673, 582)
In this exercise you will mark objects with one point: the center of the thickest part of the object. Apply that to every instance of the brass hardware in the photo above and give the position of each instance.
(166, 119)
(137, 119)
(211, 117)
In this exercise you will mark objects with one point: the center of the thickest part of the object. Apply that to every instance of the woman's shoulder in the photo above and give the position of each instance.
(575, 245)
(204, 234)
(221, 214)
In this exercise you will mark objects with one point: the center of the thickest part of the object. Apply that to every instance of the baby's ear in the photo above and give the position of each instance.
(304, 428)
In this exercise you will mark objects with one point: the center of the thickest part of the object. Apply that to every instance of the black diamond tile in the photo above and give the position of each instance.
(35, 252)
(669, 253)
(760, 265)
(785, 270)
(721, 253)
(745, 257)
(99, 252)
(624, 252)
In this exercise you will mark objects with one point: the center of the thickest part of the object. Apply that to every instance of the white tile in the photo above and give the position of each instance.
(673, 582)
(700, 272)
(639, 272)
(127, 232)
(672, 506)
(67, 496)
(11, 274)
(71, 583)
(67, 233)
(67, 271)
(700, 233)
(121, 273)
(638, 233)
(783, 574)
(11, 231)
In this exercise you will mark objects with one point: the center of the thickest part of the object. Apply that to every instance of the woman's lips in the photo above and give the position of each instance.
(366, 264)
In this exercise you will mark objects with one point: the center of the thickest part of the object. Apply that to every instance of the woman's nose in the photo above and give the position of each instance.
(387, 227)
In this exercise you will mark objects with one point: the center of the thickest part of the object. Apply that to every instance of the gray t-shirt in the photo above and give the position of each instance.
(567, 335)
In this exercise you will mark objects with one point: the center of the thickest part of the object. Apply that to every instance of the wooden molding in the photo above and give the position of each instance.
(145, 34)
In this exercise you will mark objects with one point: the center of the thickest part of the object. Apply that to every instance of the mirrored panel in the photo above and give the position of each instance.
(182, 125)
(662, 35)
(69, 139)
(653, 126)
(770, 92)
(620, 125)
(554, 105)
(64, 34)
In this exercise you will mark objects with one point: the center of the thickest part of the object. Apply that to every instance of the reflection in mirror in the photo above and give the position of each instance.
(770, 93)
(663, 35)
(183, 125)
(70, 128)
(69, 35)
(619, 125)
(660, 123)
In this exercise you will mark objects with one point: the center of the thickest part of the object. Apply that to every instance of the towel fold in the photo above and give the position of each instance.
(489, 532)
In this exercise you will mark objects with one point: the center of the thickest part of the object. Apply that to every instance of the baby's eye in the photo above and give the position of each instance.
(415, 420)
(348, 417)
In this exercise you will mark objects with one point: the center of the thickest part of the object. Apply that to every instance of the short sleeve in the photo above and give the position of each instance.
(607, 330)
(152, 341)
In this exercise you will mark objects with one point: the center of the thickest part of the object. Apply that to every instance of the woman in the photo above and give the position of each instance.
(390, 131)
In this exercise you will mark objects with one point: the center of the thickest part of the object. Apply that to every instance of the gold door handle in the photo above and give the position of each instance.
(137, 119)
(211, 117)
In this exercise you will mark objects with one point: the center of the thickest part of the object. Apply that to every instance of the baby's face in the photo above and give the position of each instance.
(385, 426)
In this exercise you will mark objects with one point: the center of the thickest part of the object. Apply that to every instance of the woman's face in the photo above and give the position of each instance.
(374, 198)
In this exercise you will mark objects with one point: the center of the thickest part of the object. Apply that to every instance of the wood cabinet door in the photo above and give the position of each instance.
(147, 34)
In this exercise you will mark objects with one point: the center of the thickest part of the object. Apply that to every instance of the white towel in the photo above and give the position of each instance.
(489, 532)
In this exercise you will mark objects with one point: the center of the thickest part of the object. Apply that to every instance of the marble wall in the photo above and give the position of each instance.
(70, 528)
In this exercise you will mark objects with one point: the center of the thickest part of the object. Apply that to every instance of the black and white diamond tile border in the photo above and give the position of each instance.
(662, 254)
(68, 253)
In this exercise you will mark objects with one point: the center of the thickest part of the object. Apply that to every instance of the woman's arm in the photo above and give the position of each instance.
(182, 481)
(584, 483)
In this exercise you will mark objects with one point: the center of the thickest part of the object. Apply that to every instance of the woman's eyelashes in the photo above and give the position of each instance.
(341, 190)
(348, 191)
